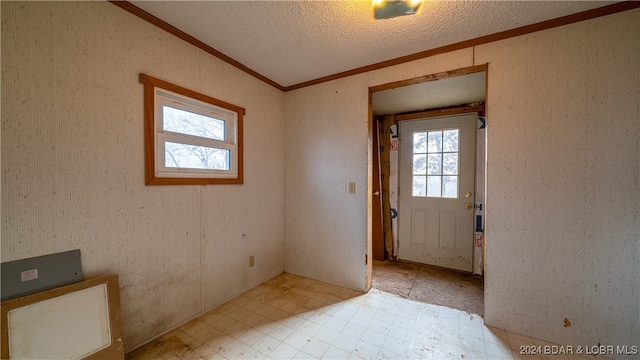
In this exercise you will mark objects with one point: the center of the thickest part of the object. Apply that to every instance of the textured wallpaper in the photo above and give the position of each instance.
(73, 166)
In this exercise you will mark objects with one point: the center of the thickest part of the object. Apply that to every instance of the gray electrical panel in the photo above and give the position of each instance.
(28, 276)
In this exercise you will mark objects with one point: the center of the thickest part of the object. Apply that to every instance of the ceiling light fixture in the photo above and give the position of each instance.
(386, 9)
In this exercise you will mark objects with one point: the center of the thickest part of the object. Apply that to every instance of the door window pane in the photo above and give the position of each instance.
(419, 186)
(450, 186)
(450, 164)
(436, 154)
(434, 186)
(435, 164)
(450, 140)
(420, 142)
(420, 164)
(435, 141)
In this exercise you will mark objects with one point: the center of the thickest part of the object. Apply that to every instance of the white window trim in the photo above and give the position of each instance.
(165, 97)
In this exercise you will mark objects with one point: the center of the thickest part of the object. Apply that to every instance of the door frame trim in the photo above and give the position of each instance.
(479, 109)
(393, 85)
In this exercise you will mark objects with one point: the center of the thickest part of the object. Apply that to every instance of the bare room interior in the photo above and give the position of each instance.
(448, 180)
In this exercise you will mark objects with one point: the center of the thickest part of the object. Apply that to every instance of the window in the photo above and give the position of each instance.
(190, 138)
(435, 163)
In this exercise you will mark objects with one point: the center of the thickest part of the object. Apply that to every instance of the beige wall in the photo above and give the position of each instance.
(326, 146)
(563, 200)
(73, 169)
(563, 190)
(563, 223)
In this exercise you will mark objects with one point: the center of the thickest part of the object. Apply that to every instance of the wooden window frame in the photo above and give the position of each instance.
(151, 84)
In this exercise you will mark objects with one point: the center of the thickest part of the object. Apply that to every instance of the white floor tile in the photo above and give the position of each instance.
(238, 314)
(336, 323)
(267, 344)
(421, 352)
(373, 337)
(236, 330)
(194, 326)
(315, 348)
(354, 330)
(252, 319)
(220, 342)
(386, 354)
(366, 350)
(346, 342)
(309, 327)
(233, 350)
(334, 353)
(301, 355)
(206, 334)
(381, 326)
(344, 314)
(396, 345)
(319, 317)
(293, 321)
(405, 321)
(297, 339)
(223, 322)
(252, 305)
(298, 318)
(252, 354)
(284, 351)
(472, 344)
(400, 332)
(498, 351)
(326, 334)
(362, 320)
(281, 332)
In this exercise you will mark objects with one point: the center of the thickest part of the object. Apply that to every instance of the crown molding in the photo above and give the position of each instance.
(549, 24)
(125, 5)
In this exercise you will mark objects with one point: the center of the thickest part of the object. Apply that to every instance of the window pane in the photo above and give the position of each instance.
(419, 186)
(435, 164)
(189, 123)
(420, 164)
(435, 141)
(433, 186)
(450, 186)
(420, 142)
(196, 157)
(450, 164)
(450, 140)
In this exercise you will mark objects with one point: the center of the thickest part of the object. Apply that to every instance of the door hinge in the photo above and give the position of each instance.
(366, 259)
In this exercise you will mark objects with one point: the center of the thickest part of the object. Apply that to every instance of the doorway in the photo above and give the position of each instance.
(437, 187)
(455, 92)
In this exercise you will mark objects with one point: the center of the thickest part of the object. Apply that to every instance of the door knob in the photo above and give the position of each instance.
(376, 193)
(467, 206)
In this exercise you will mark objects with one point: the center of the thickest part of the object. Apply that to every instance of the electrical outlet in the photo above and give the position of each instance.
(352, 188)
(252, 261)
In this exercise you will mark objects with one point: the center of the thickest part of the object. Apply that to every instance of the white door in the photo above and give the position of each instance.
(436, 174)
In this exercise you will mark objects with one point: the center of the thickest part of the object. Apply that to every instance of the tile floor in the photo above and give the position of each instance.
(430, 284)
(292, 317)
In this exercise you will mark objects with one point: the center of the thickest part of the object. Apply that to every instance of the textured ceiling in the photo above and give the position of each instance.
(291, 42)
